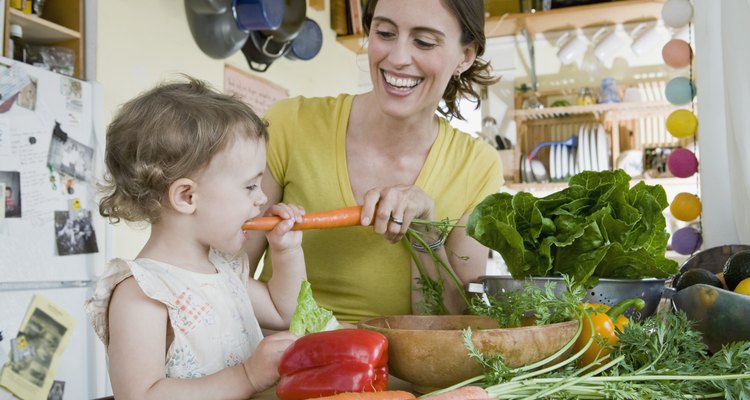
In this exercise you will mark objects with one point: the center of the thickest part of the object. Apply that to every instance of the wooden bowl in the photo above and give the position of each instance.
(428, 351)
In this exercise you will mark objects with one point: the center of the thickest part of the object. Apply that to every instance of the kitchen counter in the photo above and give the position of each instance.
(393, 384)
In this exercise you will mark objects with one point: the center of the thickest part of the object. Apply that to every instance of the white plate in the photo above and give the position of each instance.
(602, 146)
(592, 149)
(559, 161)
(579, 149)
(552, 162)
(565, 161)
(586, 156)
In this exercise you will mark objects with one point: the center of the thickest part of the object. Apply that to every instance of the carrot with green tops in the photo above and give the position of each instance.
(383, 395)
(337, 218)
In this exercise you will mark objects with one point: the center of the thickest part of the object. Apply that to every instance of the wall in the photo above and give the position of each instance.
(129, 61)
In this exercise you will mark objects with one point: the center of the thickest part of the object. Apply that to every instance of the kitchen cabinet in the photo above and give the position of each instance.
(61, 24)
(559, 19)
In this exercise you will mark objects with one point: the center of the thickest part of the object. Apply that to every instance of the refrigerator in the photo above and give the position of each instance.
(52, 241)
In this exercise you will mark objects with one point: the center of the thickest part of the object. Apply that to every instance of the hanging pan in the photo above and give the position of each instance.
(256, 15)
(216, 34)
(308, 43)
(291, 23)
(260, 52)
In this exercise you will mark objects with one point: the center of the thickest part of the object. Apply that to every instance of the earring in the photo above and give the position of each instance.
(457, 75)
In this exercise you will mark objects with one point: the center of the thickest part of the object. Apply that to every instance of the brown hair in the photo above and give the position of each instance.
(165, 134)
(470, 15)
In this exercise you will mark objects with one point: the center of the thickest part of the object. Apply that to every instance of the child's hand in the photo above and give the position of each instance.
(282, 237)
(262, 368)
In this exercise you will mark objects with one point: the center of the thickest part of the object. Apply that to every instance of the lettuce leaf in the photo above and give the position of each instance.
(597, 227)
(309, 317)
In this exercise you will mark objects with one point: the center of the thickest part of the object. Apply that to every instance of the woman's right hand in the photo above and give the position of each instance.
(262, 368)
(391, 209)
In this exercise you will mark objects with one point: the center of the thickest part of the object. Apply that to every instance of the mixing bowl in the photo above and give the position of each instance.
(608, 291)
(429, 352)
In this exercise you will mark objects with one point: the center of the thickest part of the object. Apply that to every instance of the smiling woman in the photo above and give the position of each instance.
(392, 151)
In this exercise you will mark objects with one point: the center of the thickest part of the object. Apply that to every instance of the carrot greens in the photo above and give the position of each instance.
(661, 357)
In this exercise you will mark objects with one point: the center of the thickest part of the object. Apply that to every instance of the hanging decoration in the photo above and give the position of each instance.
(682, 124)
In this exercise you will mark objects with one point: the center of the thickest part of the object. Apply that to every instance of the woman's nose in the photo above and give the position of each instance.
(400, 53)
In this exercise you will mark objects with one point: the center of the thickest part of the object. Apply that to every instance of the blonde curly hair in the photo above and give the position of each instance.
(162, 135)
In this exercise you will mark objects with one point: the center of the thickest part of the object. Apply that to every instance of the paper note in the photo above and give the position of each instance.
(42, 338)
(258, 93)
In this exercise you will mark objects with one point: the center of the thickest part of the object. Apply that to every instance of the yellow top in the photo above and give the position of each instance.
(354, 272)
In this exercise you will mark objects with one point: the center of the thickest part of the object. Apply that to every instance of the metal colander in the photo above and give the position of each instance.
(608, 291)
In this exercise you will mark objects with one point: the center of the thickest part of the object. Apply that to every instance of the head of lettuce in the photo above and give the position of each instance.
(597, 227)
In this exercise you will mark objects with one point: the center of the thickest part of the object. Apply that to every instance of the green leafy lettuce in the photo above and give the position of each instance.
(597, 227)
(309, 317)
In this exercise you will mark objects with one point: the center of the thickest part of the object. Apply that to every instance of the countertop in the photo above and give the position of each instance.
(393, 384)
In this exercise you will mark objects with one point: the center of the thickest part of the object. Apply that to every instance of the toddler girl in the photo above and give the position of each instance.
(182, 319)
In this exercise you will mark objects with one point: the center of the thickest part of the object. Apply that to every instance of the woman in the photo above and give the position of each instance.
(388, 151)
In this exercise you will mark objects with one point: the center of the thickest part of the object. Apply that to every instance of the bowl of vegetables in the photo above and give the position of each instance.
(709, 292)
(606, 234)
(607, 291)
(429, 351)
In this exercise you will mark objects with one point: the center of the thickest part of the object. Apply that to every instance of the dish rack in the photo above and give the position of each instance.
(626, 127)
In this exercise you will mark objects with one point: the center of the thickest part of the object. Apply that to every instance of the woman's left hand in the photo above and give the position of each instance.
(391, 209)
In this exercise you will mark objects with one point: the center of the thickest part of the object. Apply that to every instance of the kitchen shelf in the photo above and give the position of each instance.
(565, 18)
(628, 126)
(61, 25)
(40, 30)
(624, 110)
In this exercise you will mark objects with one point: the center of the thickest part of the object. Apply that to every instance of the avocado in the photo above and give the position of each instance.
(737, 268)
(695, 276)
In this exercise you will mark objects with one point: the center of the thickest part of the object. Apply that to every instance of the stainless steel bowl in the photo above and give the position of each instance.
(608, 291)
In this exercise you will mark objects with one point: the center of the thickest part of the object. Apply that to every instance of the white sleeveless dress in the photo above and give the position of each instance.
(213, 320)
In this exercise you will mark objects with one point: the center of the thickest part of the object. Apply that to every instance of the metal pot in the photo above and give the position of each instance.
(216, 34)
(308, 43)
(291, 23)
(255, 15)
(608, 291)
(261, 51)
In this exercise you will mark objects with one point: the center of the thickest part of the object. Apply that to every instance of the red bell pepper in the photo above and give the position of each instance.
(326, 363)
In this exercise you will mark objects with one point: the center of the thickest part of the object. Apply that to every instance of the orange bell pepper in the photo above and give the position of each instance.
(607, 322)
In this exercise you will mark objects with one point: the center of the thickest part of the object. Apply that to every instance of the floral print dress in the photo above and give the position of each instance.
(211, 315)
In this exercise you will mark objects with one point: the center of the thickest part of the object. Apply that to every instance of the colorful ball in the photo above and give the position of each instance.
(686, 240)
(686, 207)
(680, 91)
(677, 13)
(682, 163)
(682, 123)
(677, 53)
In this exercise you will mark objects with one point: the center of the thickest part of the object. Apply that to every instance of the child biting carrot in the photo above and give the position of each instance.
(182, 319)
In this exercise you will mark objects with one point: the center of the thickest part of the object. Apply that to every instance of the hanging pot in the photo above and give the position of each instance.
(255, 15)
(308, 43)
(261, 51)
(291, 23)
(217, 35)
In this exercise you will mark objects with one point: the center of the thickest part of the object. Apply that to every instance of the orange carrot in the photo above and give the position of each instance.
(316, 220)
(462, 393)
(384, 395)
